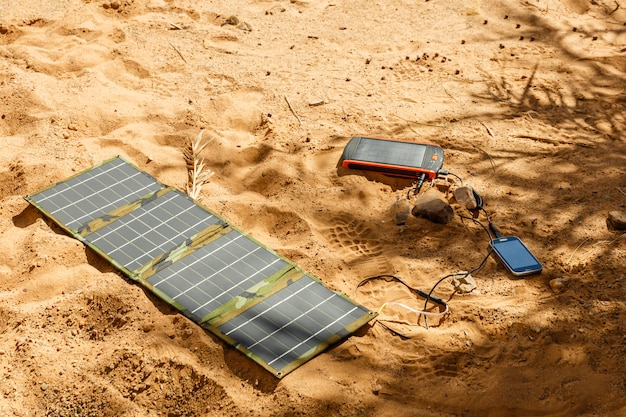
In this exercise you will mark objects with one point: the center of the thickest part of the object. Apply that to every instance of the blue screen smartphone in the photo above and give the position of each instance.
(515, 256)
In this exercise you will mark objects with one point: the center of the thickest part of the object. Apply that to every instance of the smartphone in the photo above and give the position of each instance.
(392, 157)
(515, 256)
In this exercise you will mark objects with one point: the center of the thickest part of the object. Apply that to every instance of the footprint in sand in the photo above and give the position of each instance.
(358, 245)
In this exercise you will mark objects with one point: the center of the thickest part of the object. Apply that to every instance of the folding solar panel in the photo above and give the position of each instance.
(215, 274)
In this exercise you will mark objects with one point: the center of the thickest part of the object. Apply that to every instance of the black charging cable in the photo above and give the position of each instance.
(494, 230)
(429, 298)
(422, 178)
(418, 185)
(461, 274)
(445, 173)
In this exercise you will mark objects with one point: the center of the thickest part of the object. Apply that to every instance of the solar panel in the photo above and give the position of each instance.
(151, 229)
(288, 327)
(400, 153)
(215, 274)
(77, 201)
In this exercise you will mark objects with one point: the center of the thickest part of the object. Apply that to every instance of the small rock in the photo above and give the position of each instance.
(44, 386)
(433, 208)
(115, 5)
(464, 285)
(245, 27)
(465, 195)
(401, 210)
(616, 220)
(376, 389)
(232, 20)
(559, 284)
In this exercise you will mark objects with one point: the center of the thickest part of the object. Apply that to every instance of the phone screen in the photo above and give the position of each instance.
(515, 255)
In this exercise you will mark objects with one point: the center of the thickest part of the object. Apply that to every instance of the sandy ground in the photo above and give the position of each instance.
(525, 97)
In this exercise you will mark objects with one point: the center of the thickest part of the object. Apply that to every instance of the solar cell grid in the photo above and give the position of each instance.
(406, 154)
(93, 193)
(291, 323)
(151, 230)
(217, 272)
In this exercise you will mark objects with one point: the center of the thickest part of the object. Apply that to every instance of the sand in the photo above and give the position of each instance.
(525, 97)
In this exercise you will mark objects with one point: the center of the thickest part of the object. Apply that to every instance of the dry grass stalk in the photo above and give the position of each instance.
(198, 173)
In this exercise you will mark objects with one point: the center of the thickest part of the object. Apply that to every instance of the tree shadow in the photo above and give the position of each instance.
(569, 119)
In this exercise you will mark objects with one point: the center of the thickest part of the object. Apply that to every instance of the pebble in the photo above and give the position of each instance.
(232, 20)
(401, 210)
(433, 208)
(465, 195)
(616, 220)
(464, 285)
(559, 284)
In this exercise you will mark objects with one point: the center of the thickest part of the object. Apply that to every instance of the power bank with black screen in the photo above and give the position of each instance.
(392, 157)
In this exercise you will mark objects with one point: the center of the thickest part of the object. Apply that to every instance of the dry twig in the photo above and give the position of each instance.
(292, 110)
(493, 163)
(488, 130)
(576, 250)
(198, 173)
(178, 52)
(554, 141)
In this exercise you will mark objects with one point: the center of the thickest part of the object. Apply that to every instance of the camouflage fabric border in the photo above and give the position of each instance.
(186, 248)
(102, 221)
(251, 297)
